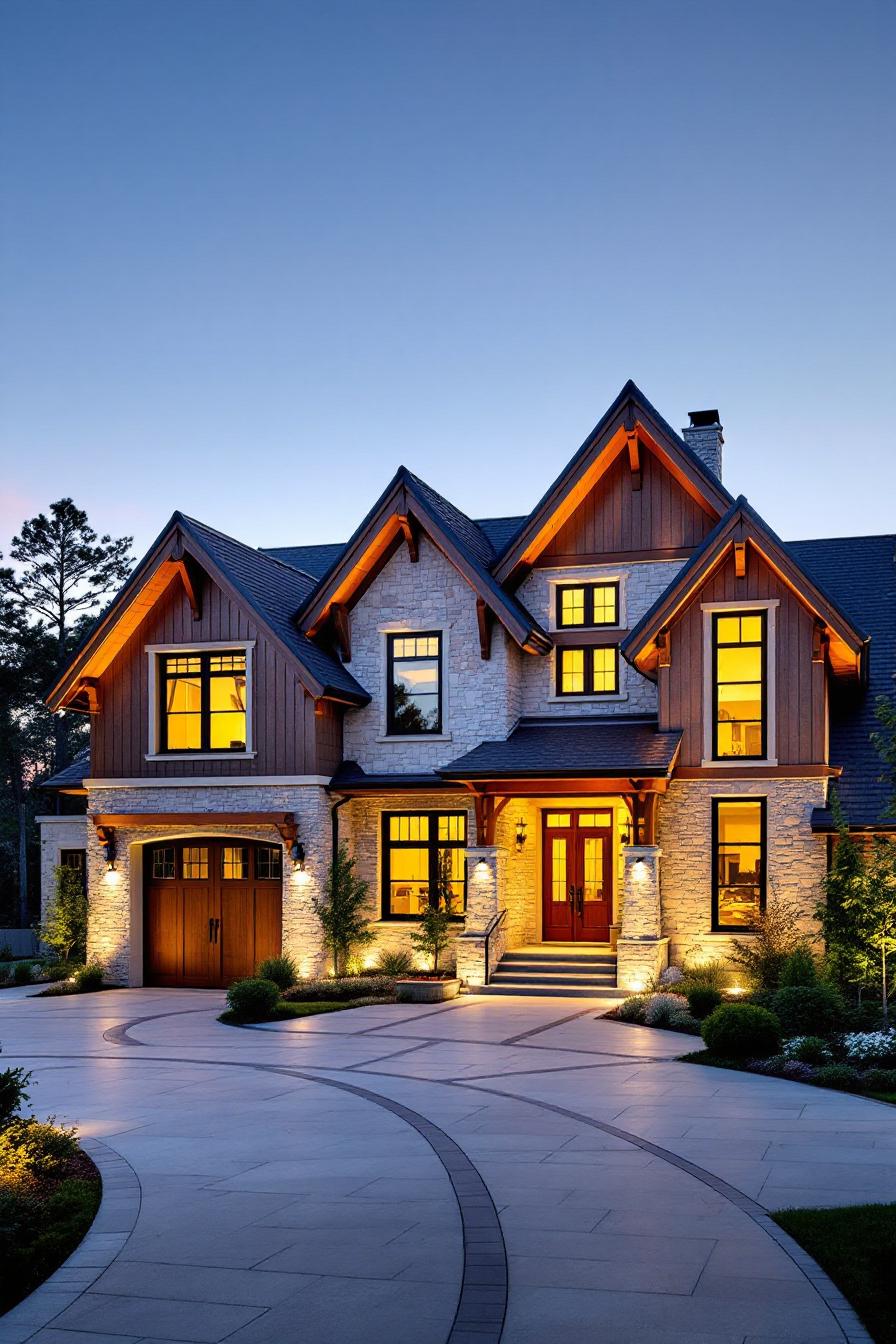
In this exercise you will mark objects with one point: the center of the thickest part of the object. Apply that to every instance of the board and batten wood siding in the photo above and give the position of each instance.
(800, 683)
(613, 518)
(288, 738)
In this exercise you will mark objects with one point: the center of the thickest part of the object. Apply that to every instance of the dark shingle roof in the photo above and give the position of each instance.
(351, 778)
(500, 530)
(547, 747)
(313, 560)
(275, 590)
(860, 575)
(71, 776)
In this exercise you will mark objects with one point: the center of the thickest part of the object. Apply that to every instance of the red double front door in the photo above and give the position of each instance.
(577, 881)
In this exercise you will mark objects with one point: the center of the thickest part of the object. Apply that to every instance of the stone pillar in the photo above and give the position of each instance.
(486, 886)
(642, 952)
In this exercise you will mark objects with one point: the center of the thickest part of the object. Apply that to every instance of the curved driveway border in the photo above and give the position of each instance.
(114, 1222)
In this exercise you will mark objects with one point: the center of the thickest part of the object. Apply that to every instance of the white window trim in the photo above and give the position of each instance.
(768, 605)
(153, 651)
(562, 578)
(405, 628)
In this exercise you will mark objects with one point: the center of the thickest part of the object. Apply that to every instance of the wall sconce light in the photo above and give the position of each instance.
(297, 854)
(109, 854)
(625, 831)
(481, 869)
(520, 835)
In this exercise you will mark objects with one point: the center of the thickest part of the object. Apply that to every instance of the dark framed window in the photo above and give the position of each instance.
(588, 671)
(587, 605)
(235, 863)
(162, 865)
(269, 863)
(76, 859)
(738, 862)
(202, 701)
(413, 846)
(414, 675)
(194, 859)
(739, 685)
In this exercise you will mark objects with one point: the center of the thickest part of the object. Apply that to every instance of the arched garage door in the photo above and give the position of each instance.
(212, 910)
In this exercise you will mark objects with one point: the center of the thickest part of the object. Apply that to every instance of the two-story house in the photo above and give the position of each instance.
(620, 716)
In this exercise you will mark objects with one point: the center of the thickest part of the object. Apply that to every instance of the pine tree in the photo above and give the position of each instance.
(341, 913)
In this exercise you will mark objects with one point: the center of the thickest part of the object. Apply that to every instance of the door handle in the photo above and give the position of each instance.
(211, 930)
(581, 899)
(217, 929)
(572, 895)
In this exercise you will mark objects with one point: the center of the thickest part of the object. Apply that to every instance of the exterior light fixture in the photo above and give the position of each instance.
(625, 831)
(109, 854)
(482, 869)
(297, 854)
(520, 835)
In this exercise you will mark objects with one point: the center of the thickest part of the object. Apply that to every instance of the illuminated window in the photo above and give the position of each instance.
(415, 684)
(203, 702)
(195, 863)
(423, 852)
(587, 604)
(589, 671)
(268, 863)
(235, 863)
(738, 862)
(739, 684)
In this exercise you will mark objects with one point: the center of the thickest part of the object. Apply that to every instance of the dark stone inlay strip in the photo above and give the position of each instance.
(119, 1035)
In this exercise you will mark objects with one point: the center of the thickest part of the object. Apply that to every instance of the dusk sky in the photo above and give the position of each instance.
(257, 254)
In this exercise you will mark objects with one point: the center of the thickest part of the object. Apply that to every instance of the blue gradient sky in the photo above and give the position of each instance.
(256, 254)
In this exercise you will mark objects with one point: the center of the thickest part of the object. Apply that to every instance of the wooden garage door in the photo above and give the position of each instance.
(212, 910)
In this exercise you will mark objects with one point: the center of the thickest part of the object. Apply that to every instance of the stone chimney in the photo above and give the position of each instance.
(704, 437)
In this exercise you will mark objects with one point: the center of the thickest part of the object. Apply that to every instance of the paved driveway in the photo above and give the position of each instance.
(510, 1169)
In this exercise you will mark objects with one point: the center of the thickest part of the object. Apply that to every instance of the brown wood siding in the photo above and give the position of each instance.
(800, 684)
(614, 518)
(284, 726)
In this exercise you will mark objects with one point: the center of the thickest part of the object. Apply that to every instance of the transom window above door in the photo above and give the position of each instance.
(203, 701)
(587, 605)
(414, 690)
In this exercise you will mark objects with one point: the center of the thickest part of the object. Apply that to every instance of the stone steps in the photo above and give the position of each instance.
(556, 971)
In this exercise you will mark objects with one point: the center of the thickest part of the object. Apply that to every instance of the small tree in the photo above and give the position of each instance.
(885, 742)
(434, 933)
(778, 934)
(341, 913)
(65, 928)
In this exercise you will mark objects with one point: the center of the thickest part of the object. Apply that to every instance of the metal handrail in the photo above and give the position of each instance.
(493, 924)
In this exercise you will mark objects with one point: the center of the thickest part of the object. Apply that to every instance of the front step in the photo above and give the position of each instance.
(556, 971)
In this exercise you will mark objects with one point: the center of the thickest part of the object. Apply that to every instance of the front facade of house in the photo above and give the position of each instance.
(610, 725)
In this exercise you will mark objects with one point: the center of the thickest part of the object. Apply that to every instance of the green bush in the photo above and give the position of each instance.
(13, 1083)
(23, 973)
(839, 1076)
(38, 1233)
(282, 970)
(89, 978)
(703, 975)
(809, 1050)
(394, 964)
(253, 1000)
(799, 969)
(741, 1031)
(341, 987)
(632, 1009)
(808, 1009)
(702, 999)
(879, 1080)
(661, 1009)
(31, 1150)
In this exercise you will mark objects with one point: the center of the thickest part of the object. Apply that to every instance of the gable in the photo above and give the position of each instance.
(651, 516)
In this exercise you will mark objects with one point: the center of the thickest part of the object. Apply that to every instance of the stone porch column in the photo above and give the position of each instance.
(486, 888)
(642, 952)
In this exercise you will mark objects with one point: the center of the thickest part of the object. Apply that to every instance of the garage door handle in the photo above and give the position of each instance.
(211, 930)
(217, 927)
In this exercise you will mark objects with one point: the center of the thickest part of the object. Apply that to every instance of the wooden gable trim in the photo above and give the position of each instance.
(631, 430)
(484, 622)
(411, 533)
(190, 575)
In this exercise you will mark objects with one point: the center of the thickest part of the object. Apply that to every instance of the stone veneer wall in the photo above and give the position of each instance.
(642, 584)
(116, 899)
(481, 697)
(56, 834)
(797, 859)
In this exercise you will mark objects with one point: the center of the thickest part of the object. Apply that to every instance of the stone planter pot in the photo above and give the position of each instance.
(426, 991)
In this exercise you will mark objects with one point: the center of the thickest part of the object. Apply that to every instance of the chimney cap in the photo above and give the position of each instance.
(700, 419)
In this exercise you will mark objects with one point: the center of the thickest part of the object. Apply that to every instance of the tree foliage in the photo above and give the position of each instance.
(779, 933)
(65, 929)
(885, 742)
(342, 911)
(434, 933)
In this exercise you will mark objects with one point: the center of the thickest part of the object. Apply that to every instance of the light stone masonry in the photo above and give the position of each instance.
(57, 834)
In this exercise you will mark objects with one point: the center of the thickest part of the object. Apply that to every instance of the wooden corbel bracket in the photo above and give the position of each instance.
(190, 576)
(634, 457)
(411, 533)
(484, 621)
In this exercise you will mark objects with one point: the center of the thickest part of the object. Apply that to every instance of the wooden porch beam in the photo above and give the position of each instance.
(188, 821)
(484, 621)
(634, 457)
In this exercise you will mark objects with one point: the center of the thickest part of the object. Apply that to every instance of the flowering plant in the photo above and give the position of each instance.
(871, 1046)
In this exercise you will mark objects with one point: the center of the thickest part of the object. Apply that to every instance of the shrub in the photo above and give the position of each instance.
(659, 1008)
(773, 1066)
(89, 978)
(671, 976)
(13, 1083)
(342, 913)
(340, 987)
(681, 1019)
(253, 1000)
(808, 1009)
(22, 973)
(808, 1050)
(741, 1031)
(778, 934)
(65, 928)
(870, 1047)
(6, 952)
(394, 964)
(798, 1071)
(879, 1080)
(702, 999)
(709, 974)
(839, 1076)
(282, 970)
(799, 968)
(632, 1009)
(31, 1150)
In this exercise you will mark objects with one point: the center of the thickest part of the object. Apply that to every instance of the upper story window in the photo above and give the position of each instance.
(587, 605)
(414, 672)
(739, 684)
(202, 701)
(738, 888)
(588, 671)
